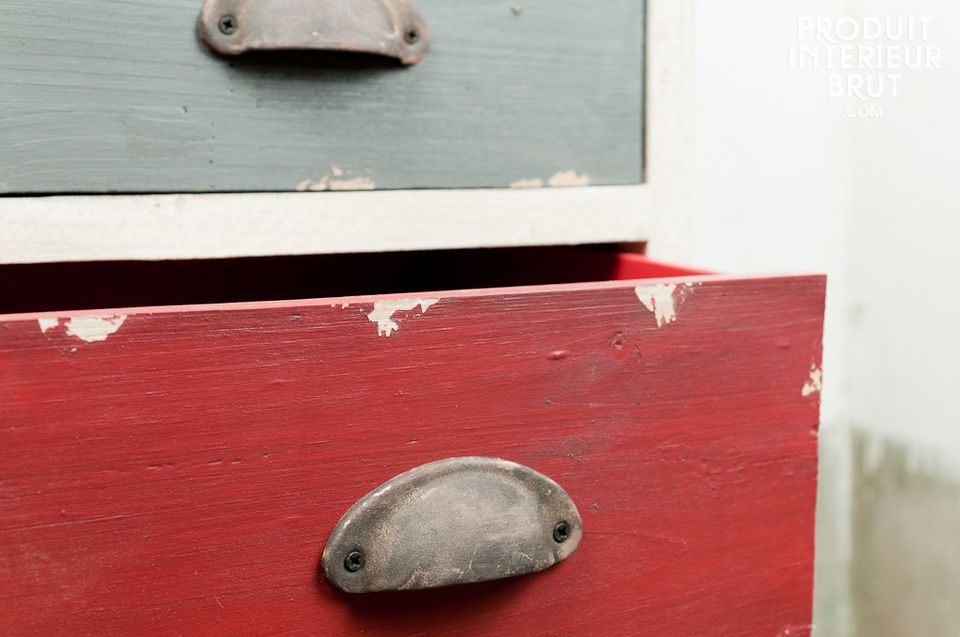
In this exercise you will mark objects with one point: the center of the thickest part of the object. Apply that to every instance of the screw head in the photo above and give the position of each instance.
(353, 562)
(411, 36)
(228, 24)
(561, 532)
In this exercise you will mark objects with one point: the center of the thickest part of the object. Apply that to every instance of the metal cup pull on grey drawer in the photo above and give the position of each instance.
(392, 28)
(455, 521)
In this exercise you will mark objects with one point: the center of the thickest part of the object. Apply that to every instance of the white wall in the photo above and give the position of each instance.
(905, 256)
(772, 180)
(784, 181)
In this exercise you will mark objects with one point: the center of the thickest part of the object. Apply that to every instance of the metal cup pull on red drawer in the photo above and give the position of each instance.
(392, 28)
(455, 521)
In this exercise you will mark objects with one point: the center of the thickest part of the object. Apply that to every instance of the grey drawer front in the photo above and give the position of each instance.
(121, 96)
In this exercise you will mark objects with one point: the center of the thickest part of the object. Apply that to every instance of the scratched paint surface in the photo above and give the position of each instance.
(181, 474)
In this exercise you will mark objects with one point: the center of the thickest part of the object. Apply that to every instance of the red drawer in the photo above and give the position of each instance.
(177, 470)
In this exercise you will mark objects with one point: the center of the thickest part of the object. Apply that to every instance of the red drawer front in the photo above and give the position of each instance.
(177, 470)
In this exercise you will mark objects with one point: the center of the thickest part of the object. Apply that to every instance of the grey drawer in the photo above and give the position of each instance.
(123, 97)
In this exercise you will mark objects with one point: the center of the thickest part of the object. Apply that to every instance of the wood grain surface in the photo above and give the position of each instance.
(122, 96)
(177, 470)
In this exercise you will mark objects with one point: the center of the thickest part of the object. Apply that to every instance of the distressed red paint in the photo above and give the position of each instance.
(182, 475)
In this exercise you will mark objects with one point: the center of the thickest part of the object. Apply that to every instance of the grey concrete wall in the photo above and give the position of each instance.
(888, 539)
(905, 563)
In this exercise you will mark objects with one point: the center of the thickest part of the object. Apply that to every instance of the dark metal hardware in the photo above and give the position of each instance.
(353, 562)
(455, 521)
(227, 24)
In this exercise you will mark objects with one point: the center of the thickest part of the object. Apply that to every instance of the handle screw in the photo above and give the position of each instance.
(228, 24)
(561, 532)
(353, 562)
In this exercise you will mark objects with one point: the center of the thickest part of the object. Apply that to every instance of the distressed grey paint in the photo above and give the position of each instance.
(122, 96)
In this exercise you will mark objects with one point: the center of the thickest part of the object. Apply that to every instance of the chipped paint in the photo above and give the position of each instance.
(659, 299)
(815, 384)
(356, 183)
(383, 312)
(331, 182)
(319, 186)
(567, 178)
(536, 182)
(560, 179)
(92, 329)
(48, 323)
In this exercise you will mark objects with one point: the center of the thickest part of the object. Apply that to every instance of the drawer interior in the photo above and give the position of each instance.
(80, 286)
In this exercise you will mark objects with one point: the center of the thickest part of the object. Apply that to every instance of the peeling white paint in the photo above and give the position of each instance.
(48, 323)
(328, 183)
(317, 186)
(567, 178)
(94, 328)
(356, 183)
(815, 383)
(383, 311)
(659, 299)
(536, 182)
